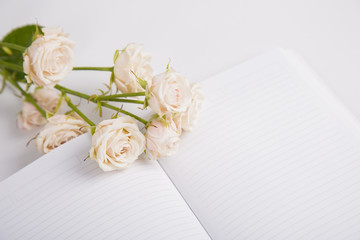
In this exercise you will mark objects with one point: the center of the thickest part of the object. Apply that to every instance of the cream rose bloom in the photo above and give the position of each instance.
(163, 138)
(49, 58)
(132, 59)
(190, 117)
(59, 130)
(169, 92)
(117, 143)
(29, 117)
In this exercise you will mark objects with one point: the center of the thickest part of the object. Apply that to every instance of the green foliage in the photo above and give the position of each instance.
(22, 36)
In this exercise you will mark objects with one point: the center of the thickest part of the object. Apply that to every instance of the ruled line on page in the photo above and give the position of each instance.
(82, 201)
(270, 158)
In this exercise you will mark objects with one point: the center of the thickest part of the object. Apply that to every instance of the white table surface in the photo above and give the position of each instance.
(202, 38)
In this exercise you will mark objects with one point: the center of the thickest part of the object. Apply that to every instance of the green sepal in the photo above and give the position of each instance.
(92, 129)
(108, 87)
(48, 114)
(28, 85)
(112, 79)
(116, 115)
(168, 65)
(147, 156)
(146, 100)
(7, 51)
(142, 82)
(146, 103)
(164, 120)
(102, 91)
(87, 157)
(116, 55)
(59, 103)
(69, 112)
(38, 32)
(99, 108)
(67, 99)
(91, 97)
(154, 116)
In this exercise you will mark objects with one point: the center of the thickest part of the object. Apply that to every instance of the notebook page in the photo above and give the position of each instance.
(60, 196)
(273, 157)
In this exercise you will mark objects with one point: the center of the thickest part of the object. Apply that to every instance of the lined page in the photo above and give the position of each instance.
(274, 156)
(60, 196)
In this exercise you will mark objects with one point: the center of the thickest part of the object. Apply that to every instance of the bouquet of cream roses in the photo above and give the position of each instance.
(34, 60)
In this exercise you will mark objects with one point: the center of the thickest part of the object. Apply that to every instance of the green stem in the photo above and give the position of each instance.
(28, 97)
(87, 97)
(108, 69)
(18, 68)
(11, 66)
(79, 94)
(124, 112)
(72, 92)
(13, 46)
(122, 95)
(73, 107)
(124, 100)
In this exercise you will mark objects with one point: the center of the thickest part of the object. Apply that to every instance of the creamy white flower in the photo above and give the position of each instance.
(59, 130)
(117, 143)
(30, 117)
(49, 58)
(47, 99)
(190, 117)
(162, 138)
(132, 60)
(169, 92)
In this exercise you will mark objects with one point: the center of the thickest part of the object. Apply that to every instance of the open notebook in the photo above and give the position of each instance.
(275, 156)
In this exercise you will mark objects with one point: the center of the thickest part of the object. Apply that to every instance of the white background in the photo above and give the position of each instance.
(202, 38)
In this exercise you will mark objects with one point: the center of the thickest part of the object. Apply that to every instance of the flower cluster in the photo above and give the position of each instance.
(172, 98)
(116, 142)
